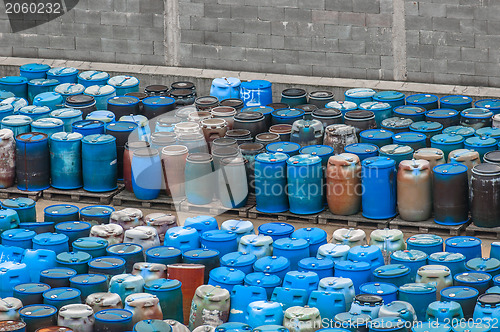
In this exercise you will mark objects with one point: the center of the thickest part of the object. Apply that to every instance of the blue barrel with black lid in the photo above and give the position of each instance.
(414, 259)
(427, 101)
(428, 243)
(77, 261)
(488, 132)
(305, 184)
(226, 277)
(465, 132)
(242, 261)
(30, 293)
(414, 113)
(68, 116)
(202, 223)
(57, 276)
(182, 237)
(52, 100)
(85, 103)
(89, 283)
(314, 235)
(378, 137)
(19, 124)
(63, 74)
(113, 320)
(34, 70)
(158, 105)
(419, 295)
(6, 110)
(207, 257)
(123, 105)
(476, 118)
(9, 219)
(95, 246)
(277, 265)
(99, 163)
(450, 194)
(352, 322)
(379, 187)
(256, 93)
(291, 248)
(454, 261)
(481, 144)
(446, 116)
(290, 148)
(359, 95)
(487, 310)
(32, 161)
(465, 296)
(24, 207)
(396, 152)
(37, 315)
(270, 182)
(96, 214)
(367, 304)
(478, 280)
(61, 212)
(109, 266)
(302, 280)
(92, 77)
(18, 85)
(362, 150)
(164, 255)
(381, 110)
(387, 291)
(88, 127)
(124, 84)
(52, 241)
(447, 143)
(343, 106)
(456, 102)
(66, 160)
(40, 85)
(276, 230)
(396, 124)
(169, 294)
(290, 297)
(490, 104)
(323, 267)
(222, 241)
(265, 280)
(265, 110)
(47, 126)
(367, 253)
(483, 264)
(358, 272)
(130, 252)
(69, 89)
(35, 112)
(18, 237)
(102, 115)
(397, 274)
(287, 115)
(412, 139)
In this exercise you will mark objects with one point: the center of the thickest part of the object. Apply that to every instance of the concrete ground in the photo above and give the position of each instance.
(42, 203)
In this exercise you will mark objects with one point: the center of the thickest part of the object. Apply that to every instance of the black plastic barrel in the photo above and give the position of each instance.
(32, 161)
(121, 131)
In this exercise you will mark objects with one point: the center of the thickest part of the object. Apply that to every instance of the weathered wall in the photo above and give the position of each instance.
(433, 41)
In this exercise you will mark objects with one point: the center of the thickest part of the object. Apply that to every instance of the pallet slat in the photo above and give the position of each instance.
(128, 199)
(482, 232)
(13, 192)
(216, 208)
(428, 226)
(80, 195)
(283, 216)
(355, 220)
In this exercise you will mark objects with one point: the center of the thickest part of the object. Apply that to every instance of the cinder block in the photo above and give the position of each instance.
(218, 38)
(184, 23)
(232, 53)
(234, 2)
(447, 52)
(311, 30)
(440, 78)
(298, 43)
(312, 58)
(376, 74)
(284, 28)
(412, 37)
(284, 3)
(411, 8)
(6, 51)
(374, 47)
(128, 58)
(230, 25)
(31, 52)
(323, 71)
(257, 27)
(114, 18)
(83, 43)
(339, 60)
(481, 13)
(420, 51)
(103, 56)
(483, 41)
(387, 7)
(285, 56)
(379, 20)
(474, 80)
(158, 47)
(475, 26)
(339, 5)
(272, 68)
(347, 72)
(366, 6)
(221, 64)
(99, 30)
(244, 12)
(420, 77)
(191, 9)
(128, 33)
(139, 20)
(217, 11)
(460, 39)
(151, 34)
(460, 12)
(493, 27)
(114, 45)
(205, 51)
(185, 50)
(352, 46)
(298, 15)
(432, 37)
(357, 19)
(151, 6)
(427, 9)
(413, 64)
(417, 22)
(203, 24)
(31, 40)
(101, 5)
(62, 42)
(487, 69)
(274, 42)
(119, 6)
(73, 29)
(259, 55)
(244, 39)
(312, 4)
(461, 67)
(366, 61)
(338, 31)
(133, 6)
(51, 28)
(156, 60)
(387, 62)
(303, 70)
(191, 62)
(325, 16)
(494, 81)
(445, 24)
(271, 14)
(325, 44)
(159, 20)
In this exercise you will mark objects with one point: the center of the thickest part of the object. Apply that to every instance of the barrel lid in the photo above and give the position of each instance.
(308, 108)
(287, 243)
(4, 94)
(426, 126)
(488, 103)
(31, 288)
(284, 147)
(395, 149)
(388, 96)
(450, 169)
(491, 299)
(16, 102)
(181, 85)
(342, 105)
(459, 130)
(13, 80)
(361, 148)
(249, 116)
(113, 315)
(35, 67)
(396, 122)
(160, 285)
(492, 157)
(276, 228)
(262, 279)
(441, 113)
(486, 169)
(227, 111)
(288, 113)
(418, 288)
(90, 243)
(6, 108)
(461, 155)
(18, 234)
(61, 210)
(274, 157)
(156, 88)
(69, 88)
(37, 310)
(421, 99)
(321, 94)
(473, 277)
(163, 252)
(80, 100)
(352, 266)
(475, 327)
(165, 138)
(123, 249)
(199, 157)
(181, 230)
(313, 263)
(18, 203)
(375, 105)
(105, 263)
(359, 115)
(93, 75)
(391, 270)
(43, 82)
(327, 113)
(62, 71)
(410, 255)
(409, 110)
(333, 250)
(256, 84)
(455, 100)
(237, 259)
(145, 152)
(158, 101)
(483, 264)
(379, 288)
(232, 102)
(124, 126)
(124, 100)
(353, 318)
(476, 113)
(489, 132)
(271, 264)
(379, 162)
(200, 253)
(376, 134)
(47, 123)
(459, 292)
(463, 241)
(97, 210)
(87, 124)
(409, 137)
(167, 121)
(303, 160)
(47, 97)
(262, 109)
(368, 299)
(104, 116)
(313, 235)
(48, 239)
(227, 275)
(66, 113)
(360, 93)
(483, 141)
(447, 139)
(123, 81)
(34, 110)
(425, 240)
(446, 257)
(74, 257)
(293, 92)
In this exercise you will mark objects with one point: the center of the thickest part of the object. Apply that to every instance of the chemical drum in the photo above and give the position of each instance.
(226, 277)
(259, 245)
(58, 276)
(433, 156)
(445, 116)
(396, 152)
(487, 309)
(439, 275)
(59, 297)
(454, 261)
(396, 124)
(378, 180)
(301, 280)
(155, 106)
(476, 118)
(19, 124)
(18, 237)
(335, 252)
(427, 101)
(18, 85)
(216, 300)
(202, 223)
(30, 293)
(69, 89)
(99, 163)
(82, 102)
(92, 77)
(170, 296)
(327, 116)
(361, 120)
(456, 102)
(465, 296)
(34, 70)
(102, 115)
(323, 267)
(277, 265)
(35, 112)
(293, 249)
(88, 127)
(146, 173)
(414, 190)
(305, 170)
(427, 243)
(256, 93)
(362, 150)
(419, 295)
(242, 261)
(96, 214)
(51, 241)
(367, 253)
(467, 245)
(290, 297)
(380, 110)
(32, 160)
(207, 257)
(320, 98)
(481, 145)
(412, 139)
(37, 260)
(23, 206)
(387, 291)
(125, 285)
(447, 143)
(478, 280)
(366, 304)
(123, 105)
(302, 319)
(37, 315)
(358, 272)
(444, 312)
(89, 284)
(61, 212)
(315, 236)
(270, 181)
(484, 197)
(47, 126)
(68, 116)
(78, 317)
(378, 137)
(489, 132)
(469, 158)
(265, 280)
(465, 132)
(264, 313)
(451, 206)
(241, 297)
(130, 252)
(113, 320)
(124, 84)
(63, 74)
(359, 95)
(66, 160)
(95, 246)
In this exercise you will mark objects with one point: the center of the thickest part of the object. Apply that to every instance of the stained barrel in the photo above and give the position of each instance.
(121, 131)
(451, 194)
(33, 161)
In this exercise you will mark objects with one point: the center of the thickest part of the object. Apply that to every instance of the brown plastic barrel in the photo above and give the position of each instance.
(174, 163)
(432, 155)
(414, 190)
(343, 176)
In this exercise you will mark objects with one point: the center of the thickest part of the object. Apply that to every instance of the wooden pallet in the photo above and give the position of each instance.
(428, 226)
(482, 232)
(128, 199)
(13, 192)
(355, 220)
(215, 208)
(80, 195)
(284, 216)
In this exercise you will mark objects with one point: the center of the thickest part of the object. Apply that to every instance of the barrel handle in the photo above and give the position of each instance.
(94, 73)
(123, 80)
(60, 70)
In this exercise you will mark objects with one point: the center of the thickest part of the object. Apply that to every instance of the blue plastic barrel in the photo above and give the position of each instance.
(378, 137)
(69, 89)
(109, 266)
(35, 112)
(286, 115)
(19, 124)
(289, 148)
(413, 259)
(387, 291)
(34, 70)
(113, 320)
(68, 116)
(424, 100)
(277, 265)
(454, 261)
(123, 105)
(447, 143)
(47, 126)
(428, 128)
(143, 131)
(77, 261)
(40, 85)
(469, 246)
(51, 241)
(445, 116)
(95, 246)
(256, 93)
(265, 280)
(199, 166)
(488, 265)
(450, 185)
(6, 110)
(202, 223)
(146, 173)
(478, 280)
(488, 132)
(9, 219)
(101, 94)
(367, 304)
(30, 293)
(419, 295)
(57, 276)
(276, 230)
(169, 294)
(359, 95)
(6, 94)
(221, 240)
(89, 283)
(314, 235)
(104, 116)
(487, 310)
(362, 150)
(239, 260)
(37, 315)
(52, 100)
(130, 252)
(226, 277)
(305, 184)
(322, 266)
(428, 243)
(207, 257)
(24, 207)
(397, 274)
(301, 280)
(381, 110)
(340, 285)
(88, 127)
(456, 102)
(99, 163)
(412, 139)
(490, 104)
(33, 161)
(184, 238)
(293, 249)
(371, 254)
(92, 77)
(241, 297)
(290, 297)
(482, 145)
(343, 106)
(96, 214)
(358, 272)
(270, 182)
(157, 105)
(334, 251)
(18, 237)
(225, 87)
(164, 255)
(465, 132)
(18, 85)
(124, 84)
(329, 304)
(63, 74)
(65, 159)
(379, 188)
(73, 229)
(465, 296)
(263, 313)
